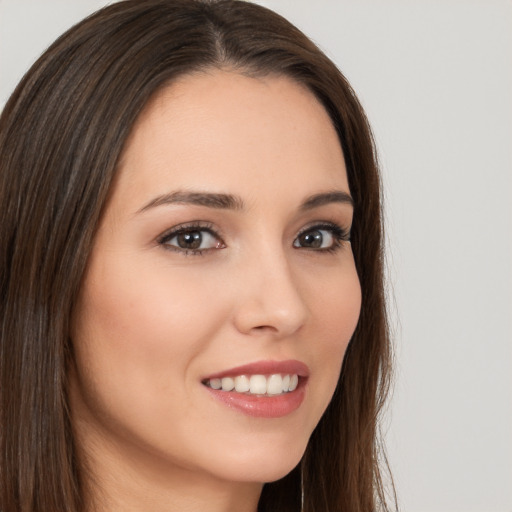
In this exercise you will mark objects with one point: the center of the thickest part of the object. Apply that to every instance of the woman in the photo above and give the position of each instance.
(191, 270)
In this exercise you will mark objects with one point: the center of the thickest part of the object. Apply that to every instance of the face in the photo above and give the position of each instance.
(222, 259)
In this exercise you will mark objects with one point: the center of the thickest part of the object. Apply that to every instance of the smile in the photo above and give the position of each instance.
(264, 389)
(266, 385)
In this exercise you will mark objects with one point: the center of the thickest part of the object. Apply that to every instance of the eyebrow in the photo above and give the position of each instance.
(210, 200)
(335, 196)
(231, 202)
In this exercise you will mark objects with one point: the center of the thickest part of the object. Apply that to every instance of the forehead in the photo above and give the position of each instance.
(224, 130)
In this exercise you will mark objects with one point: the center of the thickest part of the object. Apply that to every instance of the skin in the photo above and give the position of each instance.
(153, 320)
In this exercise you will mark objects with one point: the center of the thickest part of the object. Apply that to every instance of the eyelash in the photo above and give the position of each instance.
(189, 228)
(338, 234)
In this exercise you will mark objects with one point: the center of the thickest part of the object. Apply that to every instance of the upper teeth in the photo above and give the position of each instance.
(256, 384)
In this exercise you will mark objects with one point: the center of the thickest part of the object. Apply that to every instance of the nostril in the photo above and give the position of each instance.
(265, 328)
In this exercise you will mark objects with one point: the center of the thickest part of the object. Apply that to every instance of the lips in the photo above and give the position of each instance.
(268, 389)
(265, 368)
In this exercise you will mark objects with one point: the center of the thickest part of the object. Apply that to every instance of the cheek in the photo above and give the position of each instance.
(335, 306)
(136, 336)
(142, 305)
(136, 331)
(336, 311)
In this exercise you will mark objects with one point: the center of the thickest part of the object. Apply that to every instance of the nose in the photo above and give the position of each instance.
(269, 299)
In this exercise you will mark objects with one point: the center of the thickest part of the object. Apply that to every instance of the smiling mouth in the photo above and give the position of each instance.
(263, 385)
(263, 389)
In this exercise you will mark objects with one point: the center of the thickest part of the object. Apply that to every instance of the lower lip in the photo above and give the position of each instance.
(262, 406)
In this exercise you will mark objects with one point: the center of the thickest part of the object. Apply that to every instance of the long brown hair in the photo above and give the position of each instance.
(61, 135)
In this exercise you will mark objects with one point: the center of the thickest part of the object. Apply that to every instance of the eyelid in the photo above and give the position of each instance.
(339, 233)
(185, 227)
(326, 224)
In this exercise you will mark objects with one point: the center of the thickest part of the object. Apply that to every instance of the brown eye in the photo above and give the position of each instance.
(189, 240)
(193, 240)
(323, 237)
(311, 239)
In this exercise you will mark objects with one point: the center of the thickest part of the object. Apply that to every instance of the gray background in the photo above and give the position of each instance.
(435, 77)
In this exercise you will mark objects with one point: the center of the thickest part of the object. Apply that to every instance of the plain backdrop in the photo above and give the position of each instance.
(435, 78)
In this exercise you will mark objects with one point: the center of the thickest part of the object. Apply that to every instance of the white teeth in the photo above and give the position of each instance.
(286, 383)
(228, 384)
(215, 383)
(242, 384)
(272, 385)
(258, 384)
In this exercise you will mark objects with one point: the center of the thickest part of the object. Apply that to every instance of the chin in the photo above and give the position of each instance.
(267, 464)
